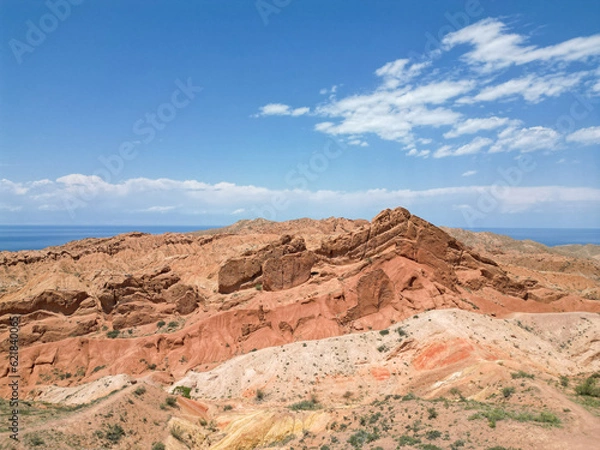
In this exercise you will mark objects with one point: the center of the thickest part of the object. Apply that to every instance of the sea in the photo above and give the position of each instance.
(36, 237)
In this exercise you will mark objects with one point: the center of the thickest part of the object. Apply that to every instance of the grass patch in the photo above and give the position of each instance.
(113, 334)
(521, 374)
(405, 440)
(306, 405)
(508, 391)
(494, 414)
(589, 387)
(114, 433)
(184, 391)
(34, 440)
(362, 437)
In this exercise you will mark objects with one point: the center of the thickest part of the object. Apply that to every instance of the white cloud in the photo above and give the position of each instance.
(399, 72)
(471, 126)
(585, 136)
(533, 88)
(419, 154)
(526, 139)
(192, 198)
(158, 209)
(331, 90)
(392, 115)
(493, 47)
(279, 109)
(475, 146)
(358, 142)
(469, 173)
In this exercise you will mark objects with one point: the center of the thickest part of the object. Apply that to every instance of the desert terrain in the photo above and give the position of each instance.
(308, 334)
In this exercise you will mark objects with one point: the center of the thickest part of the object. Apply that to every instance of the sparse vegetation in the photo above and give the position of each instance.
(158, 446)
(508, 391)
(361, 437)
(432, 413)
(114, 433)
(177, 433)
(140, 390)
(405, 440)
(184, 391)
(433, 434)
(522, 374)
(494, 414)
(306, 405)
(589, 387)
(34, 440)
(98, 368)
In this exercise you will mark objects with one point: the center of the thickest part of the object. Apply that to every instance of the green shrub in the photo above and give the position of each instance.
(184, 391)
(430, 447)
(384, 332)
(521, 374)
(171, 401)
(508, 391)
(409, 396)
(34, 440)
(140, 390)
(160, 323)
(306, 405)
(432, 413)
(433, 434)
(361, 437)
(588, 387)
(112, 334)
(158, 446)
(408, 440)
(457, 444)
(227, 408)
(114, 433)
(401, 331)
(564, 381)
(260, 395)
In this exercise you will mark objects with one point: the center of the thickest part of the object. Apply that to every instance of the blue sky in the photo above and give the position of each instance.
(469, 113)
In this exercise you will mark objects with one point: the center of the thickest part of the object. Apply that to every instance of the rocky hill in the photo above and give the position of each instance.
(331, 316)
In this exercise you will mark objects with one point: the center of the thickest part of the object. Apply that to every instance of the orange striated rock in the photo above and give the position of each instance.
(181, 302)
